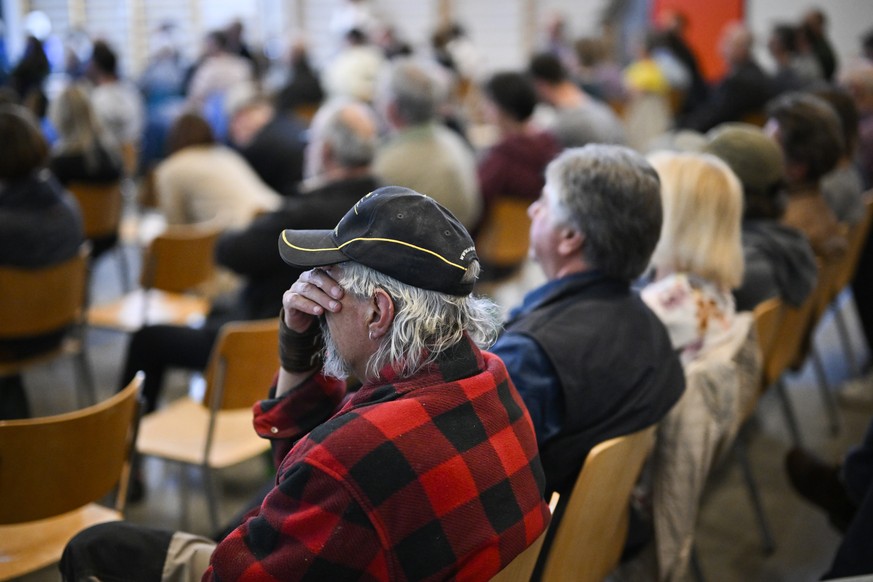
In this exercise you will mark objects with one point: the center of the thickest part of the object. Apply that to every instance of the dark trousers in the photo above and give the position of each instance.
(156, 348)
(855, 553)
(116, 552)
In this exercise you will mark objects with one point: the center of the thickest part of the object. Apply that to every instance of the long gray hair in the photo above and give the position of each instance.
(425, 322)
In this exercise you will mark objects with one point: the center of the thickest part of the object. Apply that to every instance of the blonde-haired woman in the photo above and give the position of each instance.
(83, 152)
(699, 256)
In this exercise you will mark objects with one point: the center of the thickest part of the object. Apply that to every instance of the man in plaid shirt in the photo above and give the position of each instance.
(429, 471)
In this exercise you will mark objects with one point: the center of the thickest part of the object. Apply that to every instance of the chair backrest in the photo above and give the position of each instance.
(821, 298)
(101, 206)
(242, 364)
(858, 234)
(37, 301)
(503, 241)
(591, 535)
(180, 258)
(55, 464)
(767, 318)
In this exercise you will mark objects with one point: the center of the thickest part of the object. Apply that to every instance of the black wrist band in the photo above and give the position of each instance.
(299, 352)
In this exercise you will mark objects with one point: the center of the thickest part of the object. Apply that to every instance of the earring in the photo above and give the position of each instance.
(370, 335)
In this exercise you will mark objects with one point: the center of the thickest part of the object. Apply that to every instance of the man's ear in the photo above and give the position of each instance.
(571, 241)
(381, 315)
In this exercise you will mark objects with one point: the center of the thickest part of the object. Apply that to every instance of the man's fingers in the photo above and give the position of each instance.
(324, 281)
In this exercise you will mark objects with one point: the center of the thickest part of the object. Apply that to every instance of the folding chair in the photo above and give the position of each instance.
(218, 433)
(53, 472)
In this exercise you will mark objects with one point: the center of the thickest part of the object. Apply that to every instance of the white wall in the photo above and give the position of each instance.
(503, 30)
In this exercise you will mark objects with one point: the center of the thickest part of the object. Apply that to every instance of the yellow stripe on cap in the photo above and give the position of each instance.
(368, 239)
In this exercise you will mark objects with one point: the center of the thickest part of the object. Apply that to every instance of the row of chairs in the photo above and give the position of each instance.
(50, 501)
(55, 470)
(781, 331)
(786, 335)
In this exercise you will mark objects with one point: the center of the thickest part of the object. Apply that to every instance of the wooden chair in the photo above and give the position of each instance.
(218, 433)
(53, 472)
(502, 243)
(591, 535)
(177, 267)
(521, 568)
(825, 293)
(858, 235)
(38, 301)
(101, 206)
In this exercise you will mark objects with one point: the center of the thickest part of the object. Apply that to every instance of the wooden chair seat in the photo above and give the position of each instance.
(53, 472)
(142, 306)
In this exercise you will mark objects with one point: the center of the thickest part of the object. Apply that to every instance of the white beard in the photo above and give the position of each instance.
(334, 364)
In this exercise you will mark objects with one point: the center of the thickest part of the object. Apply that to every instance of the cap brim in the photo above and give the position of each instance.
(309, 248)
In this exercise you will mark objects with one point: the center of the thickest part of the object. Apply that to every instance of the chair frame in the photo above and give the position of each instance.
(53, 472)
(37, 301)
(217, 432)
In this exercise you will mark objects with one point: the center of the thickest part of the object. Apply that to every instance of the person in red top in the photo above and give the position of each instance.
(514, 167)
(429, 471)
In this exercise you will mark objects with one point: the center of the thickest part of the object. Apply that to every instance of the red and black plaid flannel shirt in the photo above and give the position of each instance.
(430, 478)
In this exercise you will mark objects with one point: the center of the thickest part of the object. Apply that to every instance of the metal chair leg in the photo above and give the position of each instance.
(183, 496)
(788, 410)
(211, 497)
(825, 391)
(742, 455)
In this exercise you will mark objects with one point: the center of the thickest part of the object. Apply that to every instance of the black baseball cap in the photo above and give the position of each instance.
(396, 231)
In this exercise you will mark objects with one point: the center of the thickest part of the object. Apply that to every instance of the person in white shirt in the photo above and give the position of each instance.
(117, 103)
(203, 180)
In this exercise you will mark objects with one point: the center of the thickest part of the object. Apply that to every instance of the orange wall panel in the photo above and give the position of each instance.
(705, 23)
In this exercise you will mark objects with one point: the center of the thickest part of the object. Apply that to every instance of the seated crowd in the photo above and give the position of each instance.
(416, 434)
